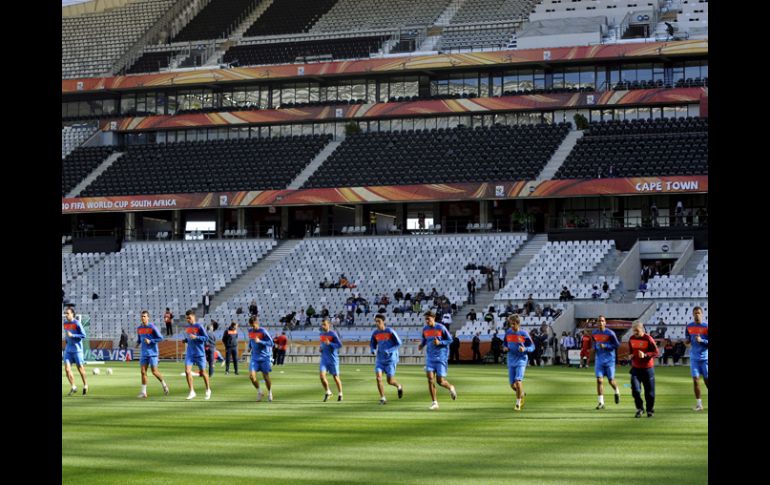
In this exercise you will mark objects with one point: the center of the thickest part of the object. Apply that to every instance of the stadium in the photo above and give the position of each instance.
(300, 161)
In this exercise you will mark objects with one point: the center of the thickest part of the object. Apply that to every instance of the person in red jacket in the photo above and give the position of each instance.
(585, 348)
(643, 352)
(280, 348)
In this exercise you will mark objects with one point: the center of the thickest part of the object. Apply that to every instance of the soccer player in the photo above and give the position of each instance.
(517, 344)
(148, 338)
(261, 346)
(585, 349)
(73, 352)
(436, 340)
(605, 343)
(196, 338)
(385, 342)
(643, 353)
(330, 360)
(697, 334)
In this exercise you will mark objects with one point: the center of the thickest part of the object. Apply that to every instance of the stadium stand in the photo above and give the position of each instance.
(528, 322)
(152, 61)
(559, 264)
(80, 162)
(679, 286)
(91, 43)
(351, 15)
(214, 165)
(493, 10)
(72, 136)
(638, 148)
(440, 155)
(289, 17)
(676, 316)
(156, 275)
(377, 266)
(216, 20)
(288, 52)
(75, 264)
(474, 39)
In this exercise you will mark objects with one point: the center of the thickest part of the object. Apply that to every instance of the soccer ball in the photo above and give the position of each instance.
(109, 371)
(96, 371)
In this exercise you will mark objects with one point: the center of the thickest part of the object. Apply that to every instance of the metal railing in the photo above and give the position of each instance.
(568, 221)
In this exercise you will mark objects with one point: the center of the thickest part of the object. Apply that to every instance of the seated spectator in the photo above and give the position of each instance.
(471, 315)
(668, 352)
(679, 351)
(565, 294)
(239, 311)
(325, 284)
(470, 266)
(490, 316)
(384, 301)
(446, 320)
(547, 311)
(643, 287)
(434, 294)
(381, 310)
(408, 297)
(324, 312)
(529, 305)
(310, 312)
(606, 287)
(421, 295)
(416, 307)
(538, 310)
(398, 295)
(595, 293)
(253, 308)
(343, 283)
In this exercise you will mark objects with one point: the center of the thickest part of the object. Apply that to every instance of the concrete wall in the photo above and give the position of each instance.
(566, 321)
(614, 310)
(630, 269)
(560, 40)
(683, 259)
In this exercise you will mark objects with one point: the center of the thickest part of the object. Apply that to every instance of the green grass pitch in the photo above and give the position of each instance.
(111, 437)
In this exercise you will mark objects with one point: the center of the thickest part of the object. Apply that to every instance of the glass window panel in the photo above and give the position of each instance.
(302, 93)
(170, 137)
(704, 70)
(207, 98)
(385, 125)
(571, 77)
(547, 117)
(631, 113)
(252, 96)
(345, 91)
(510, 81)
(691, 69)
(419, 124)
(411, 87)
(371, 90)
(276, 98)
(96, 107)
(395, 125)
(669, 112)
(441, 122)
(127, 103)
(678, 72)
(313, 92)
(588, 78)
(359, 89)
(693, 110)
(108, 106)
(644, 72)
(628, 73)
(497, 85)
(539, 79)
(658, 71)
(141, 103)
(239, 97)
(227, 99)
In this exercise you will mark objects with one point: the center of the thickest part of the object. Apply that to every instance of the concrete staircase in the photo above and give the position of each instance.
(247, 277)
(561, 154)
(429, 44)
(93, 175)
(449, 13)
(237, 34)
(314, 164)
(525, 254)
(691, 268)
(607, 268)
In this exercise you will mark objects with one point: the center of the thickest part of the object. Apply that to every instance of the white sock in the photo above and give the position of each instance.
(601, 398)
(399, 388)
(144, 388)
(617, 391)
(435, 402)
(163, 383)
(85, 386)
(700, 402)
(383, 398)
(74, 387)
(518, 402)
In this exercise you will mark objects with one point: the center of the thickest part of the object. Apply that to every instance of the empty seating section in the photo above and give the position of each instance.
(208, 166)
(152, 61)
(377, 266)
(558, 264)
(470, 328)
(289, 17)
(483, 154)
(679, 286)
(75, 264)
(155, 275)
(475, 39)
(215, 20)
(639, 148)
(79, 163)
(473, 11)
(676, 316)
(73, 136)
(91, 43)
(287, 52)
(350, 15)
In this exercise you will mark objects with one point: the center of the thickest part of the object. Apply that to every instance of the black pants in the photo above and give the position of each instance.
(168, 329)
(501, 283)
(231, 353)
(279, 356)
(454, 355)
(476, 355)
(646, 378)
(496, 355)
(210, 359)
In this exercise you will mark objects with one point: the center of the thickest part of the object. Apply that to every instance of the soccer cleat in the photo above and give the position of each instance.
(259, 396)
(383, 400)
(617, 398)
(600, 406)
(699, 407)
(639, 413)
(517, 407)
(191, 395)
(269, 397)
(142, 395)
(453, 393)
(85, 390)
(434, 406)
(72, 391)
(339, 397)
(326, 396)
(165, 389)
(227, 372)
(400, 392)
(650, 414)
(208, 394)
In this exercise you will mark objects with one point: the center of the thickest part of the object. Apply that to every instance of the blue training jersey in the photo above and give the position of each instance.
(433, 352)
(385, 343)
(151, 333)
(330, 343)
(605, 343)
(698, 351)
(514, 340)
(196, 346)
(74, 343)
(260, 343)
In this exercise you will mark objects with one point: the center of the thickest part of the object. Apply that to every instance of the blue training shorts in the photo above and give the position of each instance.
(605, 369)
(199, 361)
(516, 373)
(699, 368)
(330, 367)
(436, 366)
(260, 366)
(74, 358)
(388, 368)
(149, 360)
